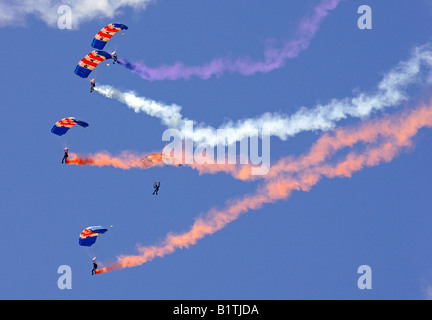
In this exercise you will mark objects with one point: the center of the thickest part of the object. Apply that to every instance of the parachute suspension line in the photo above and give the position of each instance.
(91, 253)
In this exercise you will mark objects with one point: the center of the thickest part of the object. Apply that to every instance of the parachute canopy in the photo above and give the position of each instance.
(89, 235)
(62, 126)
(91, 61)
(105, 34)
(155, 158)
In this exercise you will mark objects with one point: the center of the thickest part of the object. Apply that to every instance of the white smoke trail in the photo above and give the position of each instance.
(390, 93)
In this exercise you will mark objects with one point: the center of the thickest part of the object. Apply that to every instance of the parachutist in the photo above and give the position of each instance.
(95, 266)
(66, 155)
(156, 187)
(114, 55)
(92, 85)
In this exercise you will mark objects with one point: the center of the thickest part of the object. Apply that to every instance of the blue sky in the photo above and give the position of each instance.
(306, 247)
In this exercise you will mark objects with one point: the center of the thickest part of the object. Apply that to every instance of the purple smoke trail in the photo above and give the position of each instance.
(273, 58)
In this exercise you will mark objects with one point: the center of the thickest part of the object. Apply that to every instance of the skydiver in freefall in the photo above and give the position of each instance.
(156, 187)
(66, 155)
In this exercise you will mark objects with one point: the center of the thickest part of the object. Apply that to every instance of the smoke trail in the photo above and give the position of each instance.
(390, 92)
(273, 58)
(129, 160)
(328, 145)
(126, 160)
(384, 140)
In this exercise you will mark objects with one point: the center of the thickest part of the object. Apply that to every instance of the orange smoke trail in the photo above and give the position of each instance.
(326, 146)
(397, 128)
(383, 140)
(126, 160)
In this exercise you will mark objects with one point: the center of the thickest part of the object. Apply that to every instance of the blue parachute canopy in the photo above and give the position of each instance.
(62, 126)
(89, 235)
(91, 61)
(105, 34)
